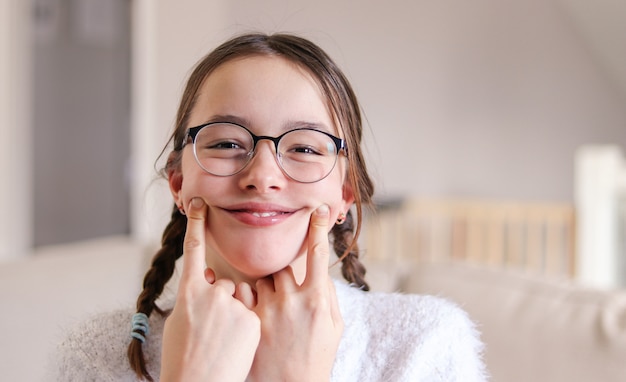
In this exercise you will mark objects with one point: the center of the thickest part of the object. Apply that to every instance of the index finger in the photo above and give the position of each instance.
(194, 262)
(318, 248)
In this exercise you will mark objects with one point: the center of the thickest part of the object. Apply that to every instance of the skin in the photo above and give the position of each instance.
(255, 299)
(269, 96)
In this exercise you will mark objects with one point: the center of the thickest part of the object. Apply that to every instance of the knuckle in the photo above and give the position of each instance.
(319, 222)
(224, 284)
(317, 302)
(339, 323)
(191, 243)
(251, 318)
(187, 295)
(223, 289)
(193, 219)
(320, 248)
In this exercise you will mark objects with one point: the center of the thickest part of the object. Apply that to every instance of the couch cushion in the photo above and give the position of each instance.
(43, 294)
(535, 329)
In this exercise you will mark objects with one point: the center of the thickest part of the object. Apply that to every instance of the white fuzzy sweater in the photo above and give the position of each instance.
(387, 337)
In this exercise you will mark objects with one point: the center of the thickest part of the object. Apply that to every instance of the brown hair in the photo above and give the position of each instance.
(344, 107)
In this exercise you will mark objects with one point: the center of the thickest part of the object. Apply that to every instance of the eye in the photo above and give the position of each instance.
(225, 145)
(225, 148)
(304, 149)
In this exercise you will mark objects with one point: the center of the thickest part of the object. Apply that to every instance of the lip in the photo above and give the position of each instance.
(260, 214)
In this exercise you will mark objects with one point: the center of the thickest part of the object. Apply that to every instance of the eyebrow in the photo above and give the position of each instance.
(228, 118)
(290, 125)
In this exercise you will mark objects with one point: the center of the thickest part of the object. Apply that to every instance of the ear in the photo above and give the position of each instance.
(175, 179)
(347, 196)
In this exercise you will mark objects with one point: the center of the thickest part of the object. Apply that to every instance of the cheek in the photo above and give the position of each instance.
(196, 183)
(332, 195)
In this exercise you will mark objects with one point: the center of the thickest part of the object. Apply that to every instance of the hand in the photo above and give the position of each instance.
(210, 334)
(301, 325)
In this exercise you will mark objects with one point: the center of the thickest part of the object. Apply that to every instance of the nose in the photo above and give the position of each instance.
(263, 174)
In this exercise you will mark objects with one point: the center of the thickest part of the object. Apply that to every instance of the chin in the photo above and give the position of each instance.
(258, 263)
(257, 253)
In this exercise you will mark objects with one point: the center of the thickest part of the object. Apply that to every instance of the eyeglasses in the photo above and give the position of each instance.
(305, 155)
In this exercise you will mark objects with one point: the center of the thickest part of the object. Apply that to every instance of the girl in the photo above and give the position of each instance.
(266, 161)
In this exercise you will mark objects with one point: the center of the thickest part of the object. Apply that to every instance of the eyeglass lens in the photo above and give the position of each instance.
(305, 155)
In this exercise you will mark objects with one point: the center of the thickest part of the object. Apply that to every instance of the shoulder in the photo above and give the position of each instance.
(419, 337)
(403, 310)
(95, 349)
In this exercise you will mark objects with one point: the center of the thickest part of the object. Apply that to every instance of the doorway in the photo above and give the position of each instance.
(81, 119)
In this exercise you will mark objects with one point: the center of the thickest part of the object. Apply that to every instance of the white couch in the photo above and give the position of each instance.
(54, 288)
(535, 329)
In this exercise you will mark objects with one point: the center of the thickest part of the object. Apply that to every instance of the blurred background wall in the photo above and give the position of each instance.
(481, 98)
(81, 119)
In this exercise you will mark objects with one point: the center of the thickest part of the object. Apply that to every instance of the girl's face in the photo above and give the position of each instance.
(258, 218)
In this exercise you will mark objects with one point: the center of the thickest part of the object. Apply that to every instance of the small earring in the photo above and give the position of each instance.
(341, 219)
(181, 210)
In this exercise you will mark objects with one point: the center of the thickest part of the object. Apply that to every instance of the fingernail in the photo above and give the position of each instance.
(323, 210)
(196, 202)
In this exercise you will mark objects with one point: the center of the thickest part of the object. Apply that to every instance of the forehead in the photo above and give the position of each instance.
(264, 90)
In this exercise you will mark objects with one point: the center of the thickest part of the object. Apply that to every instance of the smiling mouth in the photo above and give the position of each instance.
(260, 217)
(265, 214)
(260, 213)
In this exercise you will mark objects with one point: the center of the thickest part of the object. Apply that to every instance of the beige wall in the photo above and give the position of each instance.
(483, 98)
(15, 134)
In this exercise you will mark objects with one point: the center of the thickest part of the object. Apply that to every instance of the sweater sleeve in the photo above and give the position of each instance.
(74, 358)
(452, 342)
(403, 337)
(95, 350)
(461, 347)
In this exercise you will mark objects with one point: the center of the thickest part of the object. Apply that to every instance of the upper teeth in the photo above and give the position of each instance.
(265, 214)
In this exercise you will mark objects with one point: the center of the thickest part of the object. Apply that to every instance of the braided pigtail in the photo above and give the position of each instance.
(346, 247)
(162, 269)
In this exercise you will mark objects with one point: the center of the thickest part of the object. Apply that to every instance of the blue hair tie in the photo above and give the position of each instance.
(138, 336)
(140, 324)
